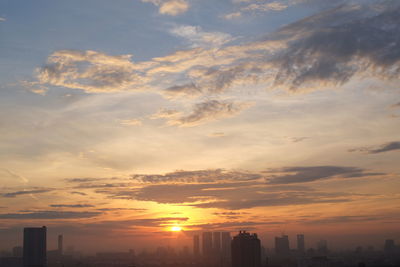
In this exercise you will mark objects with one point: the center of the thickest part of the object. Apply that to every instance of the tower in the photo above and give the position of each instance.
(217, 242)
(196, 245)
(246, 250)
(207, 244)
(300, 243)
(282, 245)
(34, 253)
(60, 244)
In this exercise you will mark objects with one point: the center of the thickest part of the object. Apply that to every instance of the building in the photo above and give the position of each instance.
(34, 251)
(217, 242)
(207, 244)
(390, 246)
(300, 243)
(60, 244)
(322, 247)
(246, 250)
(226, 244)
(282, 245)
(196, 245)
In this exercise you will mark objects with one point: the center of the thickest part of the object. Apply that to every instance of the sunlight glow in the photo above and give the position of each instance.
(176, 229)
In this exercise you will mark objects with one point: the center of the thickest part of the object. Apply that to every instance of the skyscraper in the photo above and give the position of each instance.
(226, 244)
(282, 245)
(217, 242)
(34, 254)
(60, 244)
(300, 243)
(246, 250)
(196, 245)
(207, 244)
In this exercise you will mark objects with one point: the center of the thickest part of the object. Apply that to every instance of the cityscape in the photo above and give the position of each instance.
(209, 249)
(199, 133)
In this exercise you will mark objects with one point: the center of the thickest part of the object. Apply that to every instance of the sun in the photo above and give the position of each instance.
(176, 228)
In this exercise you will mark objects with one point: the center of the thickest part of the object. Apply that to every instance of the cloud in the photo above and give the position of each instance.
(26, 192)
(49, 215)
(397, 105)
(391, 146)
(196, 37)
(170, 7)
(208, 111)
(78, 193)
(199, 176)
(71, 206)
(289, 175)
(89, 70)
(8, 174)
(131, 122)
(2, 19)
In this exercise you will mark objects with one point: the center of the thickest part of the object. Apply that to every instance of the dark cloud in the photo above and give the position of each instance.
(26, 192)
(200, 176)
(71, 206)
(208, 111)
(78, 193)
(50, 215)
(337, 44)
(386, 147)
(376, 150)
(289, 175)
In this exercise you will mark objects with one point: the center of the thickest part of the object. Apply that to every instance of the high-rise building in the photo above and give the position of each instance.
(207, 244)
(226, 244)
(196, 245)
(217, 242)
(34, 252)
(282, 245)
(390, 246)
(246, 250)
(300, 243)
(322, 246)
(60, 244)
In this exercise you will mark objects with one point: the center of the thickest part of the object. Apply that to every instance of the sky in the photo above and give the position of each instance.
(122, 119)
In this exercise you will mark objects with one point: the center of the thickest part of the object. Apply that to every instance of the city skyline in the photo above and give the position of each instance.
(149, 121)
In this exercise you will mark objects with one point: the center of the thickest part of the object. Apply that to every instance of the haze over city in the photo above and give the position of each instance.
(134, 124)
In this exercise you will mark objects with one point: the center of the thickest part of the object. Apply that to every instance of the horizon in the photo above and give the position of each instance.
(135, 122)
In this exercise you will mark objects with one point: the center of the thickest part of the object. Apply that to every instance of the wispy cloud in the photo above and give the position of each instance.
(289, 175)
(49, 215)
(26, 192)
(208, 111)
(71, 206)
(197, 37)
(2, 19)
(170, 7)
(391, 146)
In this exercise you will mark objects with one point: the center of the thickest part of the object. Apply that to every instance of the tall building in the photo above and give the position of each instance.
(322, 246)
(246, 250)
(282, 245)
(226, 244)
(34, 253)
(217, 242)
(300, 243)
(207, 244)
(390, 246)
(60, 244)
(196, 245)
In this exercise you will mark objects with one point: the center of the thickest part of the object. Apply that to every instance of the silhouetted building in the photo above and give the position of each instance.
(300, 243)
(217, 242)
(322, 246)
(282, 245)
(17, 252)
(207, 244)
(390, 246)
(246, 250)
(60, 244)
(34, 251)
(226, 244)
(196, 245)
